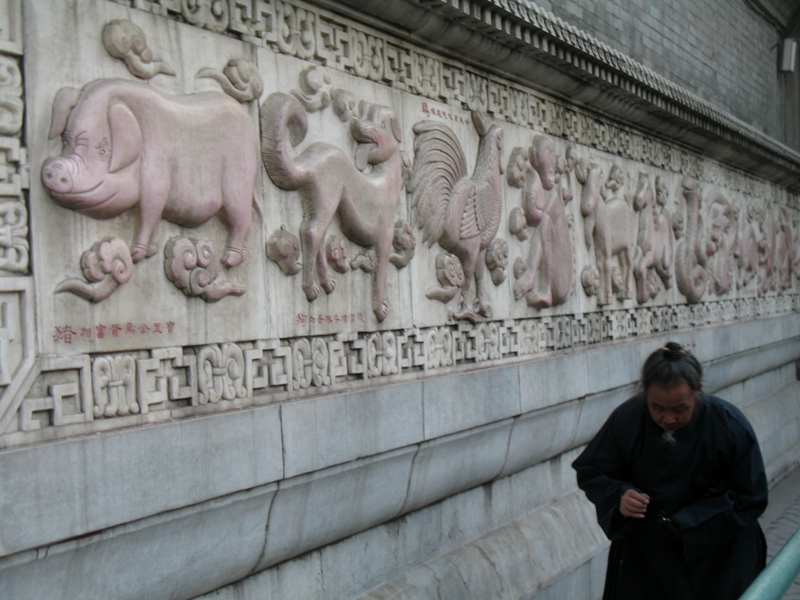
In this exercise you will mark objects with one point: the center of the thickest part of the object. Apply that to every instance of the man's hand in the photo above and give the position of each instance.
(633, 504)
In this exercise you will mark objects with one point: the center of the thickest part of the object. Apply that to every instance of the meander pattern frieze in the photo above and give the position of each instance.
(14, 174)
(514, 218)
(105, 391)
(17, 352)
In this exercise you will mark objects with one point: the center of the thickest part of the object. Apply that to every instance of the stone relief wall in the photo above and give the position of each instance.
(175, 276)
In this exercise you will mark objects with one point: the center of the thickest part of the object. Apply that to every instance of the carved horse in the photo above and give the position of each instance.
(655, 239)
(612, 233)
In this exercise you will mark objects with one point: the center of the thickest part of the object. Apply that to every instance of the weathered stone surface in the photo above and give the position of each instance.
(496, 566)
(553, 380)
(101, 481)
(541, 435)
(364, 561)
(329, 430)
(458, 402)
(454, 463)
(310, 511)
(776, 420)
(298, 289)
(182, 554)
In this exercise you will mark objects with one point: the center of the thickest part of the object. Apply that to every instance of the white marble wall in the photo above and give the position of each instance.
(168, 435)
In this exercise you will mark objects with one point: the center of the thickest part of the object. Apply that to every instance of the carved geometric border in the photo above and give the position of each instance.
(175, 383)
(53, 400)
(24, 374)
(13, 43)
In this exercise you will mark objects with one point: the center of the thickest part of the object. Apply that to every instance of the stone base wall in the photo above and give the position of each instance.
(492, 509)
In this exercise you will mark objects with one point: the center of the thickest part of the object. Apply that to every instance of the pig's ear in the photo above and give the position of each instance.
(66, 99)
(126, 137)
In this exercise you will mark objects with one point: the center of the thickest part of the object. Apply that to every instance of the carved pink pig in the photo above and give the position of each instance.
(185, 159)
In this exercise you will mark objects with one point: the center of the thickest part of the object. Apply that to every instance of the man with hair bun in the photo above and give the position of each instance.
(678, 481)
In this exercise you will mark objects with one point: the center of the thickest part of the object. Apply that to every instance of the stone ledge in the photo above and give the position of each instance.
(62, 490)
(513, 561)
(368, 559)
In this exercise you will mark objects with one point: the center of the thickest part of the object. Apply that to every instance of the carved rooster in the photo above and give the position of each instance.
(460, 213)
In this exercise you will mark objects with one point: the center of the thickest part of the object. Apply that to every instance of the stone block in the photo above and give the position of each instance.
(546, 382)
(365, 560)
(756, 388)
(298, 578)
(459, 402)
(513, 561)
(180, 554)
(541, 435)
(312, 510)
(595, 410)
(770, 382)
(70, 488)
(533, 488)
(450, 465)
(328, 430)
(613, 366)
(748, 364)
(776, 421)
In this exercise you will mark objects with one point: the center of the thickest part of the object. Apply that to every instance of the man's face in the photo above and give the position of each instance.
(671, 408)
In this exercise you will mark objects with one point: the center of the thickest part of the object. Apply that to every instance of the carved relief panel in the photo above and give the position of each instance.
(460, 212)
(146, 175)
(338, 238)
(223, 221)
(544, 272)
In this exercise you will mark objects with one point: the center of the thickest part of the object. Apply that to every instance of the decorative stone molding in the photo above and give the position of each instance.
(66, 396)
(18, 364)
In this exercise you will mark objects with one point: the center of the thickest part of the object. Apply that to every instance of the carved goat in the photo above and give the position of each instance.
(612, 232)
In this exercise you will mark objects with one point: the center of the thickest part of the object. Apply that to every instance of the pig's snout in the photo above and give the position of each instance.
(55, 176)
